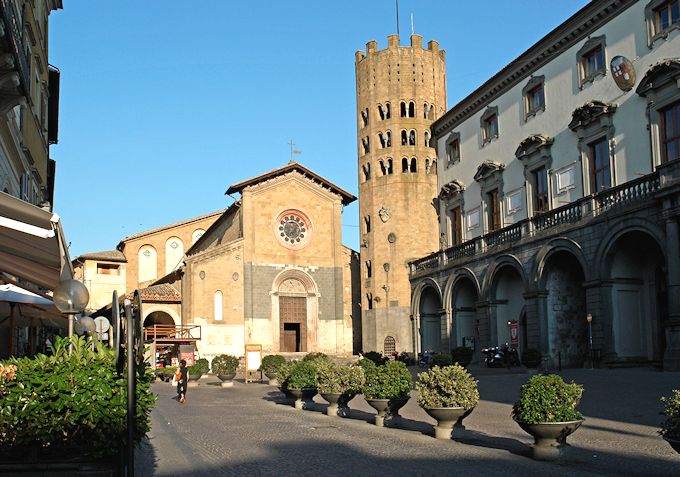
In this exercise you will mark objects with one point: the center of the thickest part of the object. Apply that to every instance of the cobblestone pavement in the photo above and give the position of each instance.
(245, 430)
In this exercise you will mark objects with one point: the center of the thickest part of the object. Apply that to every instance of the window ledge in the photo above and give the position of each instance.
(490, 140)
(663, 34)
(591, 79)
(528, 116)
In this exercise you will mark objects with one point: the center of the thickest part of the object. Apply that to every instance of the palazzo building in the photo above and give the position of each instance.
(559, 197)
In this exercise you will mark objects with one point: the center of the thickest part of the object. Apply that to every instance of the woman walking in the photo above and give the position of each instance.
(182, 379)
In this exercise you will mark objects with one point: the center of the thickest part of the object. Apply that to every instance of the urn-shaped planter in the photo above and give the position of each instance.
(550, 438)
(273, 381)
(447, 418)
(674, 443)
(338, 403)
(387, 408)
(303, 397)
(226, 379)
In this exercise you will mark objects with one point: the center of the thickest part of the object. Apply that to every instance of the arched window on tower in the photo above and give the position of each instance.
(414, 165)
(366, 168)
(426, 110)
(404, 164)
(390, 166)
(411, 109)
(387, 111)
(412, 138)
(369, 269)
(369, 301)
(389, 345)
(404, 137)
(381, 111)
(430, 113)
(388, 140)
(366, 142)
(383, 168)
(402, 107)
(367, 224)
(427, 139)
(433, 166)
(364, 117)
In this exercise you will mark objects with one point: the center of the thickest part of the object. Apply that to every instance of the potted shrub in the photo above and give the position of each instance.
(301, 383)
(386, 389)
(316, 356)
(338, 385)
(224, 366)
(461, 355)
(168, 373)
(374, 356)
(448, 395)
(531, 358)
(670, 429)
(547, 410)
(198, 369)
(270, 365)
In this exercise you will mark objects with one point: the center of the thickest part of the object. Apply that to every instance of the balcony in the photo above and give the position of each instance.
(14, 68)
(587, 207)
(171, 334)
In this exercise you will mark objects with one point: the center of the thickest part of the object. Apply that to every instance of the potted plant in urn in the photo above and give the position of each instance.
(282, 373)
(224, 367)
(197, 370)
(270, 366)
(670, 429)
(462, 355)
(547, 410)
(448, 395)
(386, 389)
(338, 385)
(301, 383)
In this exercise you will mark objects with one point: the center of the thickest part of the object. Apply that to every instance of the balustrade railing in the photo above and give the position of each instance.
(426, 263)
(512, 233)
(631, 191)
(465, 249)
(562, 215)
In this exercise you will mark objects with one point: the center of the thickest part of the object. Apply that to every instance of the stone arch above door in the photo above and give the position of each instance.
(294, 294)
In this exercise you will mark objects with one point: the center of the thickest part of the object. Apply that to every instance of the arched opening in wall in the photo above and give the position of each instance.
(414, 165)
(464, 327)
(196, 234)
(147, 262)
(381, 111)
(389, 345)
(411, 109)
(367, 224)
(508, 297)
(402, 107)
(369, 301)
(364, 117)
(296, 329)
(412, 138)
(430, 113)
(388, 140)
(366, 143)
(383, 168)
(366, 168)
(404, 137)
(388, 113)
(158, 318)
(427, 139)
(634, 265)
(566, 309)
(433, 167)
(381, 138)
(426, 109)
(404, 164)
(390, 166)
(174, 253)
(430, 320)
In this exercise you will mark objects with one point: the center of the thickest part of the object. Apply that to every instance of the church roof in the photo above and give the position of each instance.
(169, 226)
(347, 198)
(106, 255)
(163, 292)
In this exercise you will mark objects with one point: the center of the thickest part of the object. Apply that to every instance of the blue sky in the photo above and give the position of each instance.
(164, 104)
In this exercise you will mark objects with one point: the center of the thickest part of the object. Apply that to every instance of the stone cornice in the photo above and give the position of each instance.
(578, 26)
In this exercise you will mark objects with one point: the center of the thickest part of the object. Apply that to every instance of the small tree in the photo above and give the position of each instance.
(391, 381)
(224, 364)
(547, 399)
(271, 364)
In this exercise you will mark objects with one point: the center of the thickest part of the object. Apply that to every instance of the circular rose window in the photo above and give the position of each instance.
(292, 228)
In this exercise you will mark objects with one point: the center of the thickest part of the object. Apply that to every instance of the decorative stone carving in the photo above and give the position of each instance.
(487, 169)
(589, 112)
(532, 145)
(452, 188)
(292, 285)
(384, 213)
(664, 72)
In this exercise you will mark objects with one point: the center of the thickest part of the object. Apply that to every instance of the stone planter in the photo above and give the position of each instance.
(227, 379)
(549, 437)
(303, 397)
(272, 379)
(338, 403)
(387, 408)
(193, 379)
(447, 418)
(674, 443)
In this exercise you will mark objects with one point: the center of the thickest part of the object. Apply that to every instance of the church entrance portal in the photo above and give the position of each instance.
(293, 319)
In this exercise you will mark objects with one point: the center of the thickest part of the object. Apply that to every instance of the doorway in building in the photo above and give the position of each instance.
(293, 319)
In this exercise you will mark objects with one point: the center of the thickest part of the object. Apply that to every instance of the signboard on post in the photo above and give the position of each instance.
(253, 361)
(187, 353)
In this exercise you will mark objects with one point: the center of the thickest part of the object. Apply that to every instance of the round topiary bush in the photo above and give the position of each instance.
(670, 428)
(224, 364)
(271, 364)
(335, 378)
(199, 368)
(547, 399)
(391, 381)
(451, 386)
(302, 376)
(316, 355)
(441, 360)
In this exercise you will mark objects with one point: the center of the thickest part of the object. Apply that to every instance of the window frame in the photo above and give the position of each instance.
(593, 43)
(537, 195)
(655, 33)
(663, 140)
(594, 170)
(451, 141)
(489, 117)
(534, 84)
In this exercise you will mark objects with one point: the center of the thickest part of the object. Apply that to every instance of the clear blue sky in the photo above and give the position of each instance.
(164, 104)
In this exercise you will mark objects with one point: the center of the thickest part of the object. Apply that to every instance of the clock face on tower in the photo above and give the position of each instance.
(293, 229)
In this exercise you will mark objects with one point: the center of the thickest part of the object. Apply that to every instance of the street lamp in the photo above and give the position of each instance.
(70, 297)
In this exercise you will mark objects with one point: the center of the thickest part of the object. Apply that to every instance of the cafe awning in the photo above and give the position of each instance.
(32, 245)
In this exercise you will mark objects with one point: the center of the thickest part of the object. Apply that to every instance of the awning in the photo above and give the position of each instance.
(32, 245)
(13, 294)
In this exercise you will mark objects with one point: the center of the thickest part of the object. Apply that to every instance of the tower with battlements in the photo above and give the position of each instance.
(400, 91)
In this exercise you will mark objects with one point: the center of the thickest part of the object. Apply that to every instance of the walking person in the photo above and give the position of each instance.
(182, 379)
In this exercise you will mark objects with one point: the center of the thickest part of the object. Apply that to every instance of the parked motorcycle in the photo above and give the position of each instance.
(501, 356)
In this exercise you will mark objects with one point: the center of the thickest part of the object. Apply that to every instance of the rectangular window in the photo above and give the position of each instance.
(535, 100)
(453, 151)
(494, 208)
(670, 132)
(540, 189)
(108, 269)
(456, 221)
(667, 15)
(592, 62)
(490, 128)
(600, 173)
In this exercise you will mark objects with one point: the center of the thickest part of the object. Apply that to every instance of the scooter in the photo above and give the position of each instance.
(498, 357)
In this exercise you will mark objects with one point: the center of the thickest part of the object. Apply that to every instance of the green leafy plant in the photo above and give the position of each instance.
(461, 355)
(376, 357)
(531, 357)
(391, 381)
(302, 375)
(283, 372)
(441, 360)
(224, 364)
(77, 401)
(335, 378)
(316, 356)
(199, 368)
(271, 363)
(671, 426)
(547, 398)
(451, 386)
